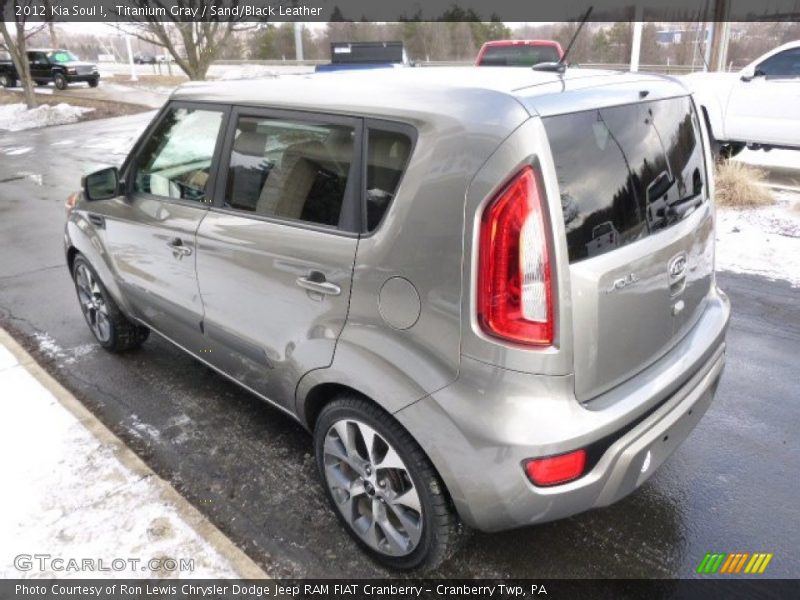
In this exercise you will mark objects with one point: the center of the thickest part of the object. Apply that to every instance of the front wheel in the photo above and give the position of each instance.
(383, 487)
(94, 82)
(112, 330)
(60, 81)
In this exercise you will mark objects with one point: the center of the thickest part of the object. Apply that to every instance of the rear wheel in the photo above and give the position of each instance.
(112, 330)
(383, 487)
(730, 150)
(60, 81)
(7, 81)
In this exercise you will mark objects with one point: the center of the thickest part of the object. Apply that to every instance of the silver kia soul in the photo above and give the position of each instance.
(490, 295)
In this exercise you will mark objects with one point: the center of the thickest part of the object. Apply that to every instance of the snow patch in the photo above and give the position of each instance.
(143, 430)
(762, 241)
(16, 150)
(70, 496)
(16, 117)
(48, 346)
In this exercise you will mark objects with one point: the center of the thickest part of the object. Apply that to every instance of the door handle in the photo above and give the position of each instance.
(315, 282)
(178, 249)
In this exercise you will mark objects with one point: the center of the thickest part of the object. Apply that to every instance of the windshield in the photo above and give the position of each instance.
(62, 56)
(518, 56)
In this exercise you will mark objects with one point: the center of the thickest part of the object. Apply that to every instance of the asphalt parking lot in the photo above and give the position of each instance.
(732, 487)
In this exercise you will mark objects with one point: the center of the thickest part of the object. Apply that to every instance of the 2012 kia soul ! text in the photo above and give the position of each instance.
(489, 294)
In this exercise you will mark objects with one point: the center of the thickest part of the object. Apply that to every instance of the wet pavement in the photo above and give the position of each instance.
(731, 487)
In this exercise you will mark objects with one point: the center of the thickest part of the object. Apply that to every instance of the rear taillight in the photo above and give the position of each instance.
(556, 469)
(514, 296)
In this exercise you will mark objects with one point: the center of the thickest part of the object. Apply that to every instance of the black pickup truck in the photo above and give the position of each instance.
(59, 66)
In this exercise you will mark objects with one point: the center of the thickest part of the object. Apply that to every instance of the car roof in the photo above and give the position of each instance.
(416, 93)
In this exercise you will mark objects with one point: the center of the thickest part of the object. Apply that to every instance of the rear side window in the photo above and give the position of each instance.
(387, 155)
(518, 56)
(626, 172)
(290, 170)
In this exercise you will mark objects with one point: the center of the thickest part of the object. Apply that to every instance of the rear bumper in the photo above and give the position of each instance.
(479, 430)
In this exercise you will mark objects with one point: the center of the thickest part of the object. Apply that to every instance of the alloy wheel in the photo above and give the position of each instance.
(372, 488)
(93, 303)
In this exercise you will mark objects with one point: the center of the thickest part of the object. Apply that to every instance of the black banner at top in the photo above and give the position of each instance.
(399, 10)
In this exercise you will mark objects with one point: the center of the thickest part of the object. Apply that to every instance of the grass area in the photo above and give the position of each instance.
(102, 108)
(148, 80)
(739, 186)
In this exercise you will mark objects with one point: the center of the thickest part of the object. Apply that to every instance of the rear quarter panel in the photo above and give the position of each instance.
(420, 240)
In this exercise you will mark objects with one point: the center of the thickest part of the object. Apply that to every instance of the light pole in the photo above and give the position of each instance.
(130, 58)
(298, 40)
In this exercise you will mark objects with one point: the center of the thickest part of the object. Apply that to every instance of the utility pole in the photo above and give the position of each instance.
(298, 40)
(130, 58)
(636, 42)
(719, 35)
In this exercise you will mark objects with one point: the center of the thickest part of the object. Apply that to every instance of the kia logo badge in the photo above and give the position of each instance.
(677, 266)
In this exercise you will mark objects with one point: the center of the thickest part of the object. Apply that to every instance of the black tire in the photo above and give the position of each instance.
(730, 150)
(720, 150)
(121, 334)
(7, 81)
(442, 531)
(94, 83)
(60, 81)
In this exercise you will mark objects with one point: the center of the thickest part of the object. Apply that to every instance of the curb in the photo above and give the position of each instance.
(244, 565)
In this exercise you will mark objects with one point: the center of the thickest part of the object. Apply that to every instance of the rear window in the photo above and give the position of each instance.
(518, 56)
(626, 172)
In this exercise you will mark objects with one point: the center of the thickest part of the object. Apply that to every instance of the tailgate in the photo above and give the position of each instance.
(639, 229)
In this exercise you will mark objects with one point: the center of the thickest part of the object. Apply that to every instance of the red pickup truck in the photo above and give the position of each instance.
(518, 53)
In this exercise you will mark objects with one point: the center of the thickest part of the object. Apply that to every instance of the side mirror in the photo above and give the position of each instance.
(749, 73)
(102, 184)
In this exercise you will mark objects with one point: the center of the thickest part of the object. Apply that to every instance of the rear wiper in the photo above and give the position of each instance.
(684, 206)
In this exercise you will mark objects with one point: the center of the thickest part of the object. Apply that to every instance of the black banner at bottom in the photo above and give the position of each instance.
(395, 589)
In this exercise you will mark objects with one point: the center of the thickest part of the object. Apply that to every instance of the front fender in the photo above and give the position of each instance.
(83, 237)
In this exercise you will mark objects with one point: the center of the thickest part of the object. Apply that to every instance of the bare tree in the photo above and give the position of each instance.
(50, 23)
(193, 45)
(15, 42)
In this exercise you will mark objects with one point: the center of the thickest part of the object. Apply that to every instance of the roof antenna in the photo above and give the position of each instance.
(561, 65)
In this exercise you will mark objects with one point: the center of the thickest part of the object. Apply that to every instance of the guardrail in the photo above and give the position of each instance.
(667, 69)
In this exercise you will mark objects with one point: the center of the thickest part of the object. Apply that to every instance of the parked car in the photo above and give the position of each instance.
(144, 59)
(756, 107)
(373, 255)
(347, 56)
(59, 66)
(518, 53)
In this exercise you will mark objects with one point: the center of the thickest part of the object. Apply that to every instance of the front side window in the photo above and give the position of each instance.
(175, 162)
(290, 169)
(785, 65)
